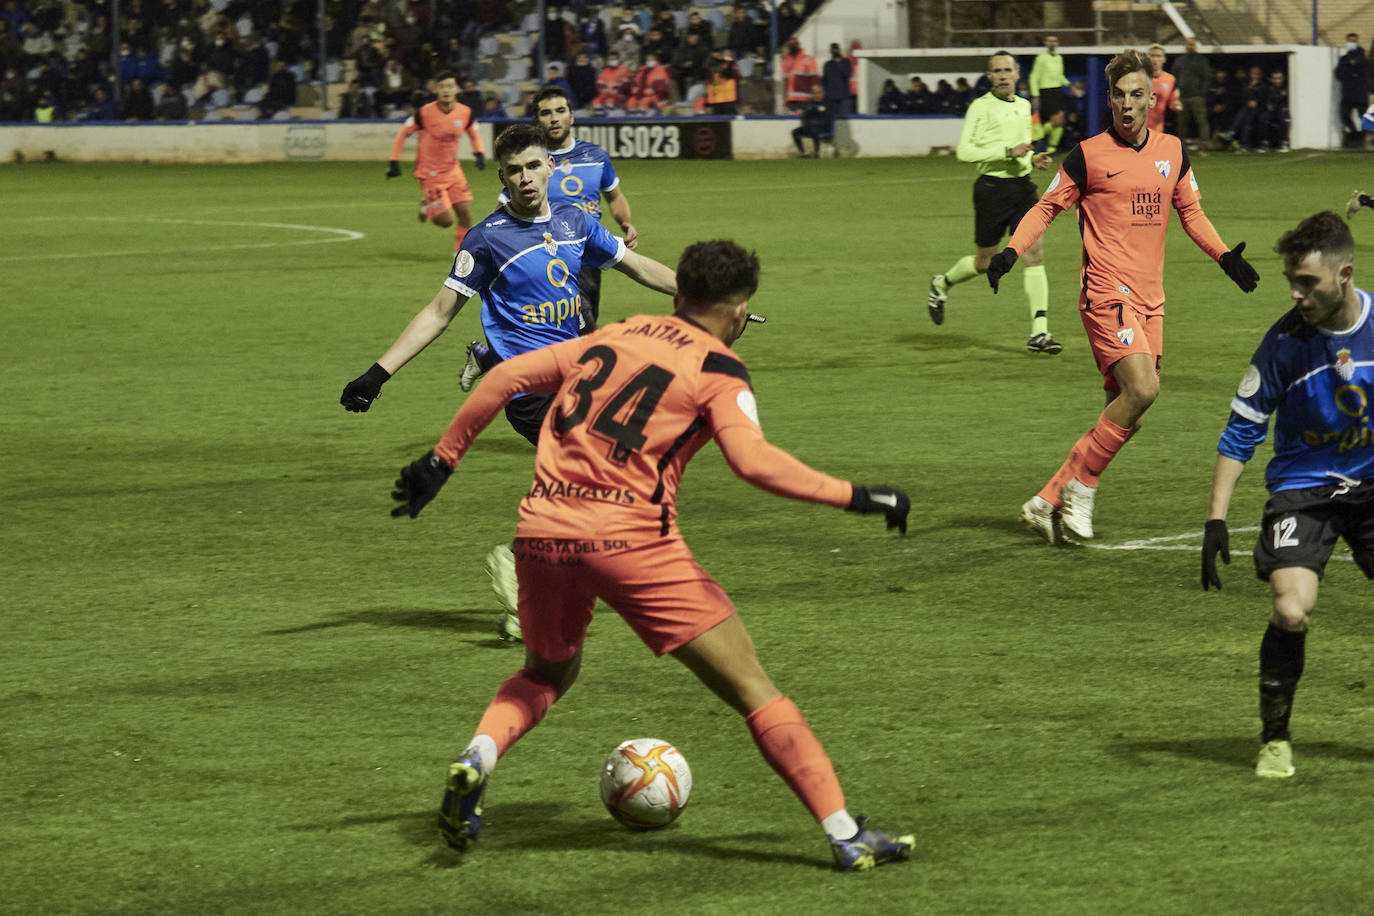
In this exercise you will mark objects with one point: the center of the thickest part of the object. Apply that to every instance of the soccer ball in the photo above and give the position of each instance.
(645, 783)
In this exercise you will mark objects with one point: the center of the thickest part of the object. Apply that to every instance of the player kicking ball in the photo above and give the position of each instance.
(1124, 182)
(1313, 374)
(633, 403)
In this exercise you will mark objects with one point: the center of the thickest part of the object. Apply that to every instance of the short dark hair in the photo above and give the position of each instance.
(444, 75)
(1127, 62)
(517, 137)
(552, 92)
(717, 271)
(1325, 232)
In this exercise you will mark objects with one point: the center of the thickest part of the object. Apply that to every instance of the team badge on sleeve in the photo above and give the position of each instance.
(1192, 180)
(747, 405)
(462, 264)
(1249, 383)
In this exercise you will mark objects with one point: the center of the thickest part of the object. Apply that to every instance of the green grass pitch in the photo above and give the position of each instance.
(231, 683)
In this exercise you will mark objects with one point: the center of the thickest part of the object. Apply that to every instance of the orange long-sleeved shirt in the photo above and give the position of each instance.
(635, 401)
(440, 133)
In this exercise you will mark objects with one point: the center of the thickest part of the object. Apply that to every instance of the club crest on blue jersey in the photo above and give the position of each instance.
(549, 244)
(1344, 367)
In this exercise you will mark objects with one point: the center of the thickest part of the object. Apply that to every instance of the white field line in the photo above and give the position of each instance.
(1167, 543)
(334, 235)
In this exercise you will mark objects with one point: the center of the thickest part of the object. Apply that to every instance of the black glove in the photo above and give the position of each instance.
(359, 394)
(1239, 269)
(890, 501)
(480, 159)
(393, 169)
(1216, 539)
(1001, 262)
(419, 482)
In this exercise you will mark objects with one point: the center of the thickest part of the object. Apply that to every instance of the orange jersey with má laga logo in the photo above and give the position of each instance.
(1123, 197)
(634, 403)
(436, 153)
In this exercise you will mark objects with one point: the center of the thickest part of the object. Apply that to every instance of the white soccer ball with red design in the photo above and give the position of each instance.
(645, 783)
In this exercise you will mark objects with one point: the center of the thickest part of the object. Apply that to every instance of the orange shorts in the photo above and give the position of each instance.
(655, 584)
(1118, 329)
(442, 193)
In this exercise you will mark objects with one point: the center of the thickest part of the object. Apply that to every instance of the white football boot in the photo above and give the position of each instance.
(500, 566)
(1076, 507)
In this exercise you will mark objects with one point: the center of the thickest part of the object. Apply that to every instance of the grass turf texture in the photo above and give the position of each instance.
(232, 683)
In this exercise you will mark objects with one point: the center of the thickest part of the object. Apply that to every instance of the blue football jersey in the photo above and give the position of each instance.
(1318, 387)
(525, 271)
(582, 172)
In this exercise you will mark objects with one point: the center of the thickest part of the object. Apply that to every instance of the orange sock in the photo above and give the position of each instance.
(793, 752)
(459, 232)
(1088, 458)
(1103, 442)
(518, 706)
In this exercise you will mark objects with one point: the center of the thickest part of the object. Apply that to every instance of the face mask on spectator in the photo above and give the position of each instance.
(1351, 46)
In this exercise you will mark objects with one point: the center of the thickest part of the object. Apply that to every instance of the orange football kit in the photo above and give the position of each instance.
(1165, 88)
(436, 156)
(634, 403)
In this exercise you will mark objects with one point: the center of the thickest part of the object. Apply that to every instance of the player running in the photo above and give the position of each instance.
(634, 403)
(441, 125)
(1314, 373)
(583, 174)
(997, 139)
(1124, 182)
(523, 262)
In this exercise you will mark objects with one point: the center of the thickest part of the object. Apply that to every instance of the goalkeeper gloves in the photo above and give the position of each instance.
(1239, 269)
(1215, 539)
(480, 160)
(1001, 262)
(393, 169)
(359, 394)
(890, 501)
(420, 481)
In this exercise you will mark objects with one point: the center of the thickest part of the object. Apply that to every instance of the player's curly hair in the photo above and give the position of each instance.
(1325, 232)
(517, 137)
(1128, 61)
(717, 271)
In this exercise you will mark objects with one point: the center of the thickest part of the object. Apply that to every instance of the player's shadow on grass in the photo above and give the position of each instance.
(537, 826)
(480, 621)
(1236, 752)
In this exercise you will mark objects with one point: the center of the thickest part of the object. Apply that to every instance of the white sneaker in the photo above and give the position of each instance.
(500, 566)
(1044, 519)
(1076, 507)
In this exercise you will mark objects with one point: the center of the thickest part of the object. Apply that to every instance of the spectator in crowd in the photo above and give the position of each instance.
(892, 101)
(817, 123)
(652, 89)
(1075, 100)
(582, 80)
(493, 110)
(1352, 72)
(457, 58)
(658, 45)
(369, 61)
(220, 63)
(701, 29)
(554, 77)
(471, 96)
(835, 81)
(281, 91)
(963, 94)
(722, 86)
(355, 102)
(254, 66)
(612, 84)
(171, 106)
(591, 33)
(946, 103)
(919, 99)
(789, 20)
(46, 109)
(138, 101)
(799, 72)
(627, 48)
(744, 34)
(1243, 133)
(689, 63)
(1194, 75)
(666, 25)
(1274, 114)
(395, 88)
(185, 69)
(100, 108)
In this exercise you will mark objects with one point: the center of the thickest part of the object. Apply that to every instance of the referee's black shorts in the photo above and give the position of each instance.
(1051, 100)
(998, 205)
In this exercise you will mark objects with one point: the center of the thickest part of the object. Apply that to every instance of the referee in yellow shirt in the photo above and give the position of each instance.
(997, 139)
(1046, 83)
